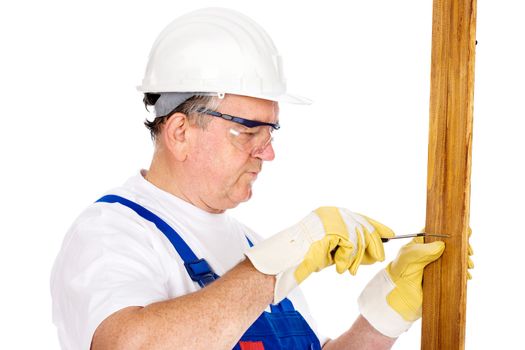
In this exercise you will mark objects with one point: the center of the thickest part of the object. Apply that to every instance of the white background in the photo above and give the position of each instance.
(72, 128)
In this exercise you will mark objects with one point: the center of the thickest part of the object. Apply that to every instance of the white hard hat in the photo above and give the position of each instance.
(219, 51)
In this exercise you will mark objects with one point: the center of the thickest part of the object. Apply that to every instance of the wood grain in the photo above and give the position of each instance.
(449, 164)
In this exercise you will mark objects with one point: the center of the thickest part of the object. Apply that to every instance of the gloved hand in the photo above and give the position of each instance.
(393, 299)
(470, 263)
(327, 236)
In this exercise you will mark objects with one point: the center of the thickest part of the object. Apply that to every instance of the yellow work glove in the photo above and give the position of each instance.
(327, 236)
(393, 299)
(470, 263)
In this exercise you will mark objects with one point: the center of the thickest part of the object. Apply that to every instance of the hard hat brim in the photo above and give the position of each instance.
(298, 100)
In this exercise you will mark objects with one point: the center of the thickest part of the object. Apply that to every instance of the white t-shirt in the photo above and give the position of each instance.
(112, 258)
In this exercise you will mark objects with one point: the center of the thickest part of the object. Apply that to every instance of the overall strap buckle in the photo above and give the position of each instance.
(200, 272)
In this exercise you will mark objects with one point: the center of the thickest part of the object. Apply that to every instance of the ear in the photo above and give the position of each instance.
(175, 135)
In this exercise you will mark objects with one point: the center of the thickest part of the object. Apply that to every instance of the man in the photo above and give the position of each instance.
(140, 268)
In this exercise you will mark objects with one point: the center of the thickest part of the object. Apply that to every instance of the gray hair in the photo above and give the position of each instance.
(168, 103)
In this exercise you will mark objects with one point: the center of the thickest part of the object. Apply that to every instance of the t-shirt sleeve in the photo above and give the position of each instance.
(107, 263)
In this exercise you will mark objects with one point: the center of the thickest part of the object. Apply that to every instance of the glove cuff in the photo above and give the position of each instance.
(281, 254)
(375, 309)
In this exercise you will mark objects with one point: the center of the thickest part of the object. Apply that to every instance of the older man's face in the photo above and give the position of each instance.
(223, 172)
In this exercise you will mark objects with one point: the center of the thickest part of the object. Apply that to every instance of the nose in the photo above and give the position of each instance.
(265, 153)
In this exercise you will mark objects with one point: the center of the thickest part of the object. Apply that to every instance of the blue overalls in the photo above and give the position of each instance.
(282, 328)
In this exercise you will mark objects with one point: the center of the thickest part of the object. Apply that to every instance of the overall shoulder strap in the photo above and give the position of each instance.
(198, 269)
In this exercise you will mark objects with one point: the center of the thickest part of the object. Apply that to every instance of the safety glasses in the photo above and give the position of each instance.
(246, 122)
(250, 136)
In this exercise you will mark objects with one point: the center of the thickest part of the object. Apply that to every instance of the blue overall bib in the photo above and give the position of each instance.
(282, 328)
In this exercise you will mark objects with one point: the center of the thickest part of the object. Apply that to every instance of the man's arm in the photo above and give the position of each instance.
(214, 317)
(361, 336)
(218, 315)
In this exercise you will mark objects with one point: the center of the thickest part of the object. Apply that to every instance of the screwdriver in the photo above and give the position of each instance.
(421, 234)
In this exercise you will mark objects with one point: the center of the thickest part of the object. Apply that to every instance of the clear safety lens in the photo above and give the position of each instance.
(251, 140)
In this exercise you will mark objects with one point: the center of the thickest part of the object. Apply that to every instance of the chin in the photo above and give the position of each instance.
(236, 200)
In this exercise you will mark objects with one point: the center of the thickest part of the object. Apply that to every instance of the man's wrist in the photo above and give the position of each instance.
(267, 282)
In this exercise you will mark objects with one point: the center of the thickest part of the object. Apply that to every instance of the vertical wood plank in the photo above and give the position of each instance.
(448, 179)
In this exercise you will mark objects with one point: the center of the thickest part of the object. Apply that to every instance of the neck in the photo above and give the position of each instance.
(171, 180)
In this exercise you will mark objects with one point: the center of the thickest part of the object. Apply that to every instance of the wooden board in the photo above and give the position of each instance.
(448, 179)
